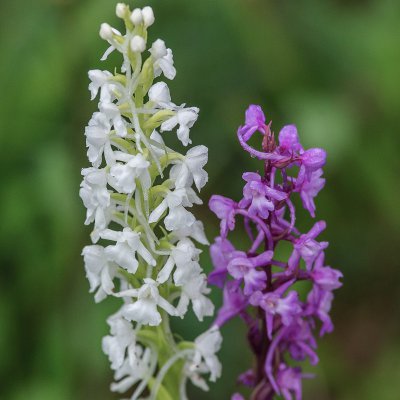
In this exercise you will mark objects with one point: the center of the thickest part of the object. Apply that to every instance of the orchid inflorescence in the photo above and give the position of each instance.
(257, 286)
(137, 192)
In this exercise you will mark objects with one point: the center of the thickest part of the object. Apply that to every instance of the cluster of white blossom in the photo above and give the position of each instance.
(137, 194)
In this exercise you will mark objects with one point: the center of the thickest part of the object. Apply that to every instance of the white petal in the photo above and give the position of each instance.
(165, 272)
(158, 212)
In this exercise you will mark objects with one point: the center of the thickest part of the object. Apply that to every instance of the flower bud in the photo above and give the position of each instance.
(158, 49)
(137, 16)
(288, 138)
(148, 16)
(138, 45)
(120, 10)
(106, 32)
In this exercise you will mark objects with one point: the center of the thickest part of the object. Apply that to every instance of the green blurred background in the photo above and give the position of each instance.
(331, 67)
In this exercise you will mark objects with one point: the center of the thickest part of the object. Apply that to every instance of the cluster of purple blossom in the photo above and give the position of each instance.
(257, 286)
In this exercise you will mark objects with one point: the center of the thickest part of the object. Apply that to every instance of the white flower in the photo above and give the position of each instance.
(144, 309)
(195, 231)
(163, 63)
(160, 95)
(132, 372)
(150, 255)
(122, 340)
(148, 16)
(158, 49)
(184, 256)
(194, 290)
(185, 117)
(99, 271)
(123, 176)
(191, 169)
(196, 378)
(106, 32)
(138, 45)
(176, 201)
(124, 251)
(95, 197)
(98, 139)
(136, 16)
(99, 79)
(207, 344)
(121, 10)
(111, 111)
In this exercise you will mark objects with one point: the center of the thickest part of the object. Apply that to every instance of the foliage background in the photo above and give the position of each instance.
(330, 66)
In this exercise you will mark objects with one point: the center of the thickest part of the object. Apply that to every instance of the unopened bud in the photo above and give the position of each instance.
(148, 16)
(138, 44)
(137, 16)
(120, 10)
(106, 31)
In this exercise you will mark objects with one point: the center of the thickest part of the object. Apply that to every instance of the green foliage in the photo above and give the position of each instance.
(331, 67)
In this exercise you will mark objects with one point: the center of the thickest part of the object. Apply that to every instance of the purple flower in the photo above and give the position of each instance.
(309, 189)
(280, 326)
(258, 196)
(234, 303)
(319, 303)
(300, 341)
(274, 304)
(247, 378)
(255, 121)
(237, 396)
(221, 252)
(307, 248)
(326, 278)
(244, 268)
(289, 381)
(289, 140)
(311, 161)
(224, 209)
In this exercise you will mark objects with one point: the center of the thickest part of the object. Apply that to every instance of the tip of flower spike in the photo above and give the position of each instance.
(120, 10)
(106, 32)
(136, 16)
(148, 16)
(138, 45)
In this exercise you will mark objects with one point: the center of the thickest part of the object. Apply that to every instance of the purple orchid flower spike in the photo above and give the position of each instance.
(259, 288)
